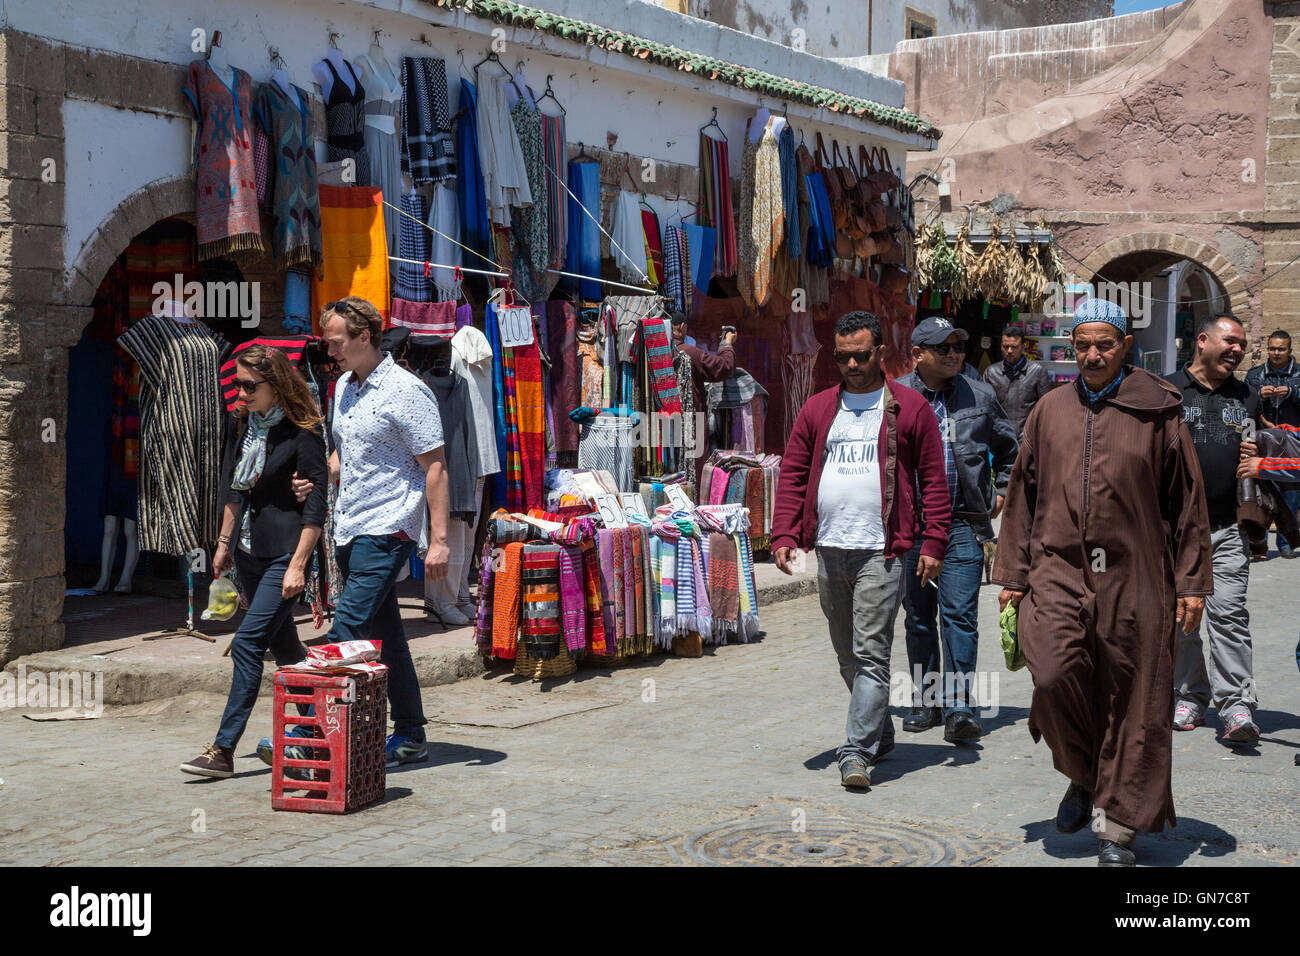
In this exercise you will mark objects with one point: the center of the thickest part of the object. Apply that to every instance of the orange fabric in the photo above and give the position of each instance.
(506, 595)
(355, 250)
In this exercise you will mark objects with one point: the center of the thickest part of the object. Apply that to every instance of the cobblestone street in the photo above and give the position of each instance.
(730, 762)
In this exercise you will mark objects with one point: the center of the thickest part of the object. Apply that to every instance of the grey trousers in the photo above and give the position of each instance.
(860, 594)
(1227, 623)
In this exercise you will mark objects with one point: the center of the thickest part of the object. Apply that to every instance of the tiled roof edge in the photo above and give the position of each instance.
(504, 11)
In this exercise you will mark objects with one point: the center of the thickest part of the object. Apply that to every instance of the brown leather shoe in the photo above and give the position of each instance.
(213, 762)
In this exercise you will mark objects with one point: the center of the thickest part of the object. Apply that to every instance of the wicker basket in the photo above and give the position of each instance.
(561, 665)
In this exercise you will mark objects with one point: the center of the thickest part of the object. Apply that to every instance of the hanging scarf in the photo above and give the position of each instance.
(252, 461)
(572, 599)
(630, 573)
(483, 620)
(755, 493)
(748, 626)
(724, 585)
(507, 581)
(611, 585)
(673, 268)
(541, 626)
(428, 153)
(790, 193)
(659, 360)
(686, 395)
(594, 608)
(666, 571)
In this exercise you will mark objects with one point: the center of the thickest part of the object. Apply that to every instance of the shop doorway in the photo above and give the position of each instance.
(1167, 296)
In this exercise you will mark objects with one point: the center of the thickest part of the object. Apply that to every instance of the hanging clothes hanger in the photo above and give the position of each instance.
(492, 56)
(550, 94)
(582, 156)
(714, 122)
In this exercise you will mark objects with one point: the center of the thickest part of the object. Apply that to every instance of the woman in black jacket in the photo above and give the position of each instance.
(275, 438)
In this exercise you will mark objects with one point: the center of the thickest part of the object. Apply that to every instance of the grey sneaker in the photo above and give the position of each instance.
(1186, 717)
(1238, 728)
(854, 773)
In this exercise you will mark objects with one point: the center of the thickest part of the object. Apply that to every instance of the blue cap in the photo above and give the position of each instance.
(1100, 310)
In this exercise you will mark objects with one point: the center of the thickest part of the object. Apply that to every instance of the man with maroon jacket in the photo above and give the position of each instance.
(857, 457)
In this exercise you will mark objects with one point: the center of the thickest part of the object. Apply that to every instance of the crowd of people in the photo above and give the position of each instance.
(1118, 497)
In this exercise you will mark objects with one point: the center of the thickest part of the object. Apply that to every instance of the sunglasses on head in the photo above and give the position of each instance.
(339, 306)
(944, 348)
(842, 358)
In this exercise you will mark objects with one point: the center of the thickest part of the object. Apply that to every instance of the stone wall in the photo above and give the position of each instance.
(1281, 291)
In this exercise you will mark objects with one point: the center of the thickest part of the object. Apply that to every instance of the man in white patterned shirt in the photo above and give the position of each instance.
(389, 465)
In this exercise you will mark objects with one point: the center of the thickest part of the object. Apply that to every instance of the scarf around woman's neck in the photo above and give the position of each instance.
(252, 461)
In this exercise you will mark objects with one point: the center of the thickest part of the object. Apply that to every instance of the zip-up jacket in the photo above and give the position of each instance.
(910, 455)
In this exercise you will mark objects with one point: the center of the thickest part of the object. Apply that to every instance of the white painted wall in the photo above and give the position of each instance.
(654, 111)
(839, 28)
(110, 154)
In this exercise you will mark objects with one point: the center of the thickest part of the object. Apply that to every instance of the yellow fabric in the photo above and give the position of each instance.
(355, 250)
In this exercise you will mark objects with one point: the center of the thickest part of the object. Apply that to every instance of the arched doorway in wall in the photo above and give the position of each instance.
(1168, 285)
(103, 459)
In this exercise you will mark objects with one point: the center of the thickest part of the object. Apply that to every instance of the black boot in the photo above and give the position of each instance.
(1112, 854)
(1075, 810)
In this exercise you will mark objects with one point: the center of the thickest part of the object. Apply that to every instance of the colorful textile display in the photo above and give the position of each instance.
(483, 619)
(291, 171)
(702, 243)
(427, 148)
(355, 250)
(673, 278)
(654, 252)
(762, 221)
(716, 209)
(573, 599)
(226, 204)
(724, 583)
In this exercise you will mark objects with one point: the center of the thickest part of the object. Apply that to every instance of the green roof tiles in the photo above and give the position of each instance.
(503, 11)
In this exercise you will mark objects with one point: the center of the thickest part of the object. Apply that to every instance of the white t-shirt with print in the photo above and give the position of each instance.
(848, 496)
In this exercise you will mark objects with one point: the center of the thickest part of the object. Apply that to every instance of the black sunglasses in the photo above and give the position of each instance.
(944, 348)
(336, 306)
(842, 358)
(246, 385)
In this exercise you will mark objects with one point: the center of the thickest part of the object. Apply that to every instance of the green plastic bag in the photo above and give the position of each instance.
(1009, 619)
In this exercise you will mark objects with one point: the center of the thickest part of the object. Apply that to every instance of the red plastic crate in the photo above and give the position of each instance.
(350, 720)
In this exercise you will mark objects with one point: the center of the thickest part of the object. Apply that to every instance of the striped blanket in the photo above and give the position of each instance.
(659, 360)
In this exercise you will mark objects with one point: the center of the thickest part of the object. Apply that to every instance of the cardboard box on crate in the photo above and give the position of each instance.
(342, 701)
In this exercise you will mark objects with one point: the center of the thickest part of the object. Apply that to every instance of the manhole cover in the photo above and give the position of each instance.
(834, 842)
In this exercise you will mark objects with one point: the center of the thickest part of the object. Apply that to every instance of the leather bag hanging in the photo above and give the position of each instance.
(839, 211)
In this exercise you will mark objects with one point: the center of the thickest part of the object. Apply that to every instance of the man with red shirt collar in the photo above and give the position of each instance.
(849, 479)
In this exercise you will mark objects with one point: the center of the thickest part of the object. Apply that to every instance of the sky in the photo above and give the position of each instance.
(1137, 6)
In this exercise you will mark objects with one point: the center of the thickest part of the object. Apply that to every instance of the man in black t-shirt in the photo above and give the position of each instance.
(1217, 407)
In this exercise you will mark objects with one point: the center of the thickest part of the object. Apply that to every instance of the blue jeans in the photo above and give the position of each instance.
(1291, 497)
(367, 610)
(267, 623)
(956, 605)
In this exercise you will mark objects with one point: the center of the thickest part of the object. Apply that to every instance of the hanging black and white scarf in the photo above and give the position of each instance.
(428, 151)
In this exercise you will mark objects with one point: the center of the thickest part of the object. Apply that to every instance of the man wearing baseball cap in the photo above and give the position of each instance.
(1105, 549)
(974, 431)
